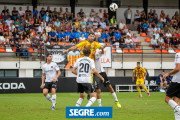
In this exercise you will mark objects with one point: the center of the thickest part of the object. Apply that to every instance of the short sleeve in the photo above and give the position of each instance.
(80, 44)
(92, 65)
(56, 67)
(76, 64)
(43, 70)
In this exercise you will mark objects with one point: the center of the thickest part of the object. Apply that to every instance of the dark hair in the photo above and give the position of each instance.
(86, 51)
(91, 33)
(48, 54)
(138, 62)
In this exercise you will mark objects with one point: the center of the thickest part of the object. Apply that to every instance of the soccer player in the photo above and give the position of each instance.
(173, 90)
(140, 79)
(98, 82)
(50, 74)
(82, 69)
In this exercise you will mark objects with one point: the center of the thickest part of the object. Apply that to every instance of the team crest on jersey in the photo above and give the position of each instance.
(51, 66)
(73, 56)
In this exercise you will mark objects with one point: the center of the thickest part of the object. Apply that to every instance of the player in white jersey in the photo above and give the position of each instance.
(82, 69)
(50, 74)
(173, 90)
(97, 81)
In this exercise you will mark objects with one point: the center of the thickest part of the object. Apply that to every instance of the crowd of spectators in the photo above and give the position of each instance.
(26, 28)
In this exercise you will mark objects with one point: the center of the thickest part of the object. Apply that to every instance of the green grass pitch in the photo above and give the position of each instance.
(36, 107)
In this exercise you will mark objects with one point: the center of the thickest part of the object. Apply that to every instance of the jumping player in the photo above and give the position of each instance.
(140, 79)
(82, 69)
(97, 82)
(173, 90)
(50, 74)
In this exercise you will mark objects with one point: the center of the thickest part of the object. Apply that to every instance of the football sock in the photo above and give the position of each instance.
(53, 100)
(145, 89)
(91, 101)
(139, 90)
(48, 97)
(115, 97)
(174, 105)
(99, 102)
(79, 102)
(176, 114)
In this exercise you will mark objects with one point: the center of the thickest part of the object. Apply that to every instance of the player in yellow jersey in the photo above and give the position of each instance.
(140, 79)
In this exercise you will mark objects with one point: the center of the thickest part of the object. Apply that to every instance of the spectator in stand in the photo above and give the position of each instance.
(103, 24)
(117, 35)
(50, 13)
(176, 15)
(114, 42)
(157, 35)
(35, 13)
(61, 36)
(8, 21)
(150, 19)
(168, 43)
(135, 40)
(91, 17)
(105, 37)
(143, 16)
(129, 33)
(145, 26)
(71, 35)
(128, 16)
(121, 25)
(44, 23)
(40, 29)
(154, 13)
(153, 41)
(81, 12)
(67, 27)
(24, 48)
(57, 24)
(171, 29)
(36, 23)
(5, 10)
(174, 41)
(162, 14)
(97, 35)
(66, 35)
(83, 23)
(65, 17)
(78, 17)
(160, 24)
(129, 42)
(113, 20)
(161, 42)
(77, 23)
(106, 16)
(150, 14)
(74, 27)
(123, 34)
(23, 21)
(140, 28)
(93, 13)
(95, 24)
(85, 18)
(21, 12)
(67, 13)
(77, 35)
(11, 27)
(28, 13)
(160, 81)
(157, 28)
(165, 28)
(168, 34)
(137, 16)
(177, 34)
(42, 13)
(71, 18)
(26, 28)
(97, 18)
(5, 29)
(163, 19)
(164, 35)
(82, 38)
(89, 24)
(100, 13)
(155, 19)
(30, 23)
(20, 29)
(85, 33)
(122, 43)
(52, 36)
(17, 23)
(61, 13)
(173, 19)
(5, 17)
(46, 17)
(14, 14)
(18, 49)
(40, 46)
(55, 13)
(48, 29)
(150, 31)
(168, 20)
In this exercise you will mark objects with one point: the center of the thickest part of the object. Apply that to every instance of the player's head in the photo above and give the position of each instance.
(138, 65)
(49, 57)
(91, 37)
(162, 73)
(86, 51)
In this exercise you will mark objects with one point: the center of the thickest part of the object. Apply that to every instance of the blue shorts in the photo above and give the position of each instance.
(158, 82)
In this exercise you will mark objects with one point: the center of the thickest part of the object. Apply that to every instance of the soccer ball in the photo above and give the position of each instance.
(113, 7)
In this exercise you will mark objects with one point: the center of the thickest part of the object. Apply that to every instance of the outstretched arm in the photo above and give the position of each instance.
(72, 48)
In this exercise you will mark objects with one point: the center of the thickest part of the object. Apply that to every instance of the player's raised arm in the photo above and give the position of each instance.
(97, 74)
(71, 48)
(102, 47)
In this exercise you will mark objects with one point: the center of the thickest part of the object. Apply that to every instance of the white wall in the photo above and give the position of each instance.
(10, 7)
(87, 10)
(52, 8)
(169, 3)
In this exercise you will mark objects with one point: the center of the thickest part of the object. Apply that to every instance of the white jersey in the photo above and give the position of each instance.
(176, 77)
(98, 65)
(50, 70)
(84, 66)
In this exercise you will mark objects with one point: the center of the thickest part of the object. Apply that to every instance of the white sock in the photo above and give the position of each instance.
(99, 102)
(78, 104)
(115, 97)
(174, 105)
(91, 101)
(54, 100)
(177, 115)
(48, 97)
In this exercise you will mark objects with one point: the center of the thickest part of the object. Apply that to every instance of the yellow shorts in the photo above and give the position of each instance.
(140, 82)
